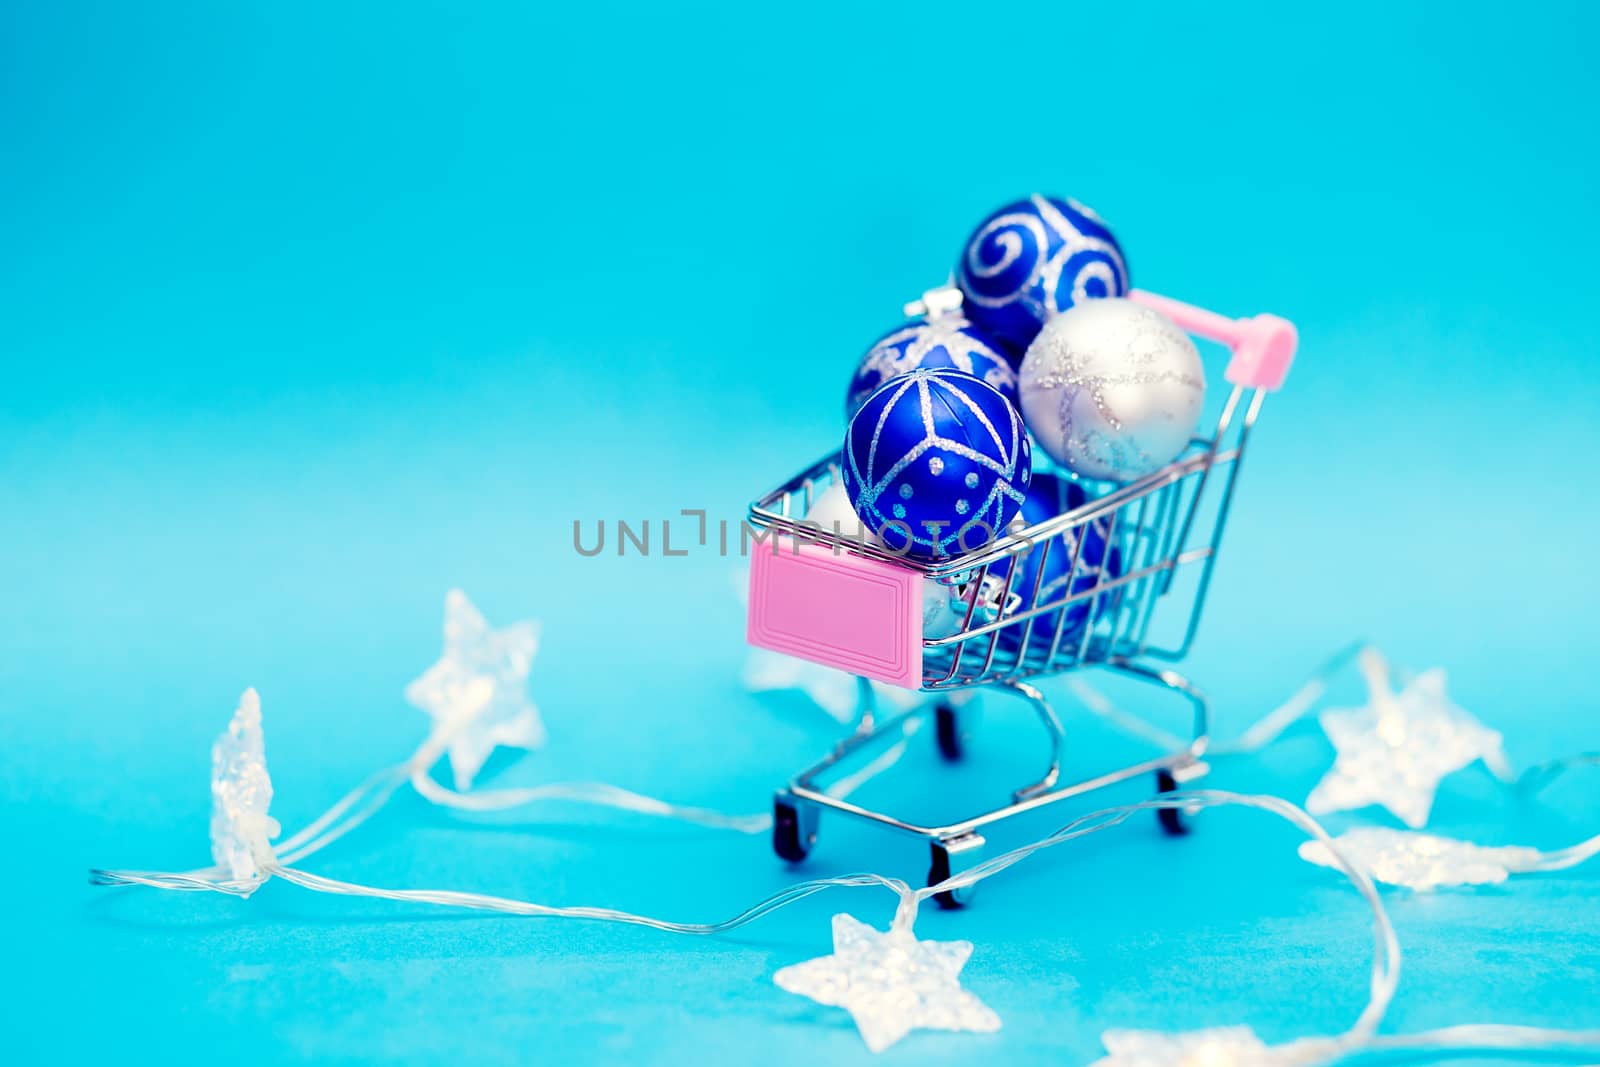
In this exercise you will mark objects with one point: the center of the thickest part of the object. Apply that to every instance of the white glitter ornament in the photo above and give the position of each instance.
(1395, 750)
(241, 793)
(891, 983)
(1423, 861)
(477, 691)
(832, 514)
(1112, 389)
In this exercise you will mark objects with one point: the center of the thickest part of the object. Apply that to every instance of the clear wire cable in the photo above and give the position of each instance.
(481, 902)
(207, 879)
(1386, 957)
(1561, 859)
(363, 802)
(367, 799)
(1275, 723)
(1486, 1037)
(1385, 975)
(1272, 726)
(1386, 964)
(597, 793)
(1262, 733)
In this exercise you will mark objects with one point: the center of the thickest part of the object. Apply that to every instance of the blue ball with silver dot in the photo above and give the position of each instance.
(1034, 259)
(936, 463)
(943, 341)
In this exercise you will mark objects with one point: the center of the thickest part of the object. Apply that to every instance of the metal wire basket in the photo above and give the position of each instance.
(843, 603)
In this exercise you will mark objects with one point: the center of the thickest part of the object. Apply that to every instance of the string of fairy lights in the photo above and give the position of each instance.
(1391, 752)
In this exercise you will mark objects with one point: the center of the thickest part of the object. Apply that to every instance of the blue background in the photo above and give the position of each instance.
(309, 315)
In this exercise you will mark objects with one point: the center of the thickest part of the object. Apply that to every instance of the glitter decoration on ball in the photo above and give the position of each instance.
(1112, 390)
(1034, 259)
(936, 463)
(943, 341)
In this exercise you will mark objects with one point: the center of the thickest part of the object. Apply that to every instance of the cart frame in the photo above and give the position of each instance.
(1092, 615)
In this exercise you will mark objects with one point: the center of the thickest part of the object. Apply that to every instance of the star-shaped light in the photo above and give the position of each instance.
(241, 793)
(1221, 1046)
(891, 983)
(1423, 861)
(477, 692)
(1394, 750)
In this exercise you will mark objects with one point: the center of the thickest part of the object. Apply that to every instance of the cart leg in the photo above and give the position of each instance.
(1178, 821)
(952, 856)
(1052, 726)
(794, 827)
(947, 730)
(1187, 765)
(1172, 820)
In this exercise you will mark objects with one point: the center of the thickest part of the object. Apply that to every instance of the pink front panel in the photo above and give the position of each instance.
(859, 615)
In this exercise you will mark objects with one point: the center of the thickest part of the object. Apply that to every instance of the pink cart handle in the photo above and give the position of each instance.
(1263, 347)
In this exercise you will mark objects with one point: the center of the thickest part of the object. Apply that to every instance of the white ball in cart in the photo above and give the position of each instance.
(831, 511)
(1112, 390)
(942, 609)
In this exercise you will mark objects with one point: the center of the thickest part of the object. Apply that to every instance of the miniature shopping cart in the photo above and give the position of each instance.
(835, 601)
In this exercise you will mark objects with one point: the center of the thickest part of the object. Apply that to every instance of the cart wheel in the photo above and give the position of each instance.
(794, 828)
(1172, 820)
(947, 728)
(952, 857)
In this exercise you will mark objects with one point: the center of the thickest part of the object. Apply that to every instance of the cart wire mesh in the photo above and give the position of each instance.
(1078, 589)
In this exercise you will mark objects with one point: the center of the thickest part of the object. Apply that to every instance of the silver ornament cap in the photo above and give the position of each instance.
(1112, 390)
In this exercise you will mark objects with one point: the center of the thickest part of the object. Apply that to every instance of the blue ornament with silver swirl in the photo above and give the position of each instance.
(943, 341)
(1034, 259)
(936, 463)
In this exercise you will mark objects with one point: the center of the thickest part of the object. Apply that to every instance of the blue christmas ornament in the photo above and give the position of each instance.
(1034, 259)
(936, 462)
(947, 341)
(1048, 496)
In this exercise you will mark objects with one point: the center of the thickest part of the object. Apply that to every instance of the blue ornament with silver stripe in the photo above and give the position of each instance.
(942, 341)
(1034, 259)
(936, 463)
